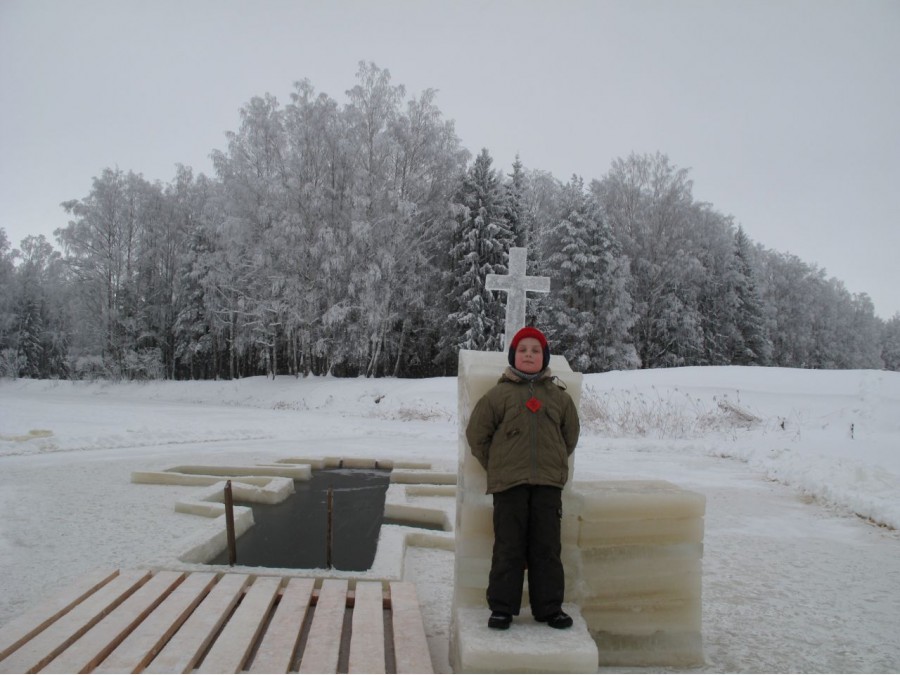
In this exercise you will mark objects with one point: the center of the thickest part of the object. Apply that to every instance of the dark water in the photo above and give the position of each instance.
(292, 534)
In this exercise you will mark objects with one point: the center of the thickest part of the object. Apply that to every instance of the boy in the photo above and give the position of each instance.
(522, 432)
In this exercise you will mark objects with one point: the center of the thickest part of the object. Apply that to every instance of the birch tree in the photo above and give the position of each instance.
(100, 247)
(648, 203)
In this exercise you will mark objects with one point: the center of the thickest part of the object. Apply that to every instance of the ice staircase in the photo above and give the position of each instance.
(632, 552)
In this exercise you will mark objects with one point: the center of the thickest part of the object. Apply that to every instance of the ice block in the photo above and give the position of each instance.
(640, 589)
(527, 647)
(637, 500)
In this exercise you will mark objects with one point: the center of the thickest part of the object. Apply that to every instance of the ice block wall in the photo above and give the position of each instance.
(632, 552)
(640, 546)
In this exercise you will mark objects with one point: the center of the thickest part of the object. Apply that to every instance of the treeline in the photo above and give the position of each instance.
(355, 239)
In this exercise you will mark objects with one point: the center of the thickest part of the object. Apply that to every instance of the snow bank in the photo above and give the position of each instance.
(832, 435)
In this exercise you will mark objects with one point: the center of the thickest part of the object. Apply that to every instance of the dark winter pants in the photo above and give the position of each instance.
(527, 533)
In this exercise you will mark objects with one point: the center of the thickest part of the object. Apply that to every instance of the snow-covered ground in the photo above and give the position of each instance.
(801, 470)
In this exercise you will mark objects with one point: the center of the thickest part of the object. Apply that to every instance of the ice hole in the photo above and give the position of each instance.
(293, 534)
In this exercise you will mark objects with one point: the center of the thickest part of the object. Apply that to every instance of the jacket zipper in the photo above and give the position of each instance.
(533, 437)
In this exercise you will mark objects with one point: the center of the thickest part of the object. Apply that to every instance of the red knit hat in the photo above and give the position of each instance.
(529, 332)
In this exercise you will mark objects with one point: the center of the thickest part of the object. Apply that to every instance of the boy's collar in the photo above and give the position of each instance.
(518, 376)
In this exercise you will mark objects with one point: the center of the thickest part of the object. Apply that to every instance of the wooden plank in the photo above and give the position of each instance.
(94, 646)
(139, 648)
(367, 635)
(324, 641)
(44, 647)
(187, 645)
(232, 646)
(410, 644)
(276, 651)
(19, 631)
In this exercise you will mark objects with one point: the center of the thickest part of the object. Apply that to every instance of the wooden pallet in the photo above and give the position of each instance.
(178, 622)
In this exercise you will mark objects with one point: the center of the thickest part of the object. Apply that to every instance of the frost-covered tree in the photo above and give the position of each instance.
(101, 246)
(253, 176)
(323, 223)
(890, 345)
(648, 204)
(353, 239)
(121, 247)
(480, 246)
(429, 159)
(847, 333)
(589, 312)
(789, 289)
(195, 341)
(42, 325)
(514, 206)
(541, 205)
(816, 322)
(319, 188)
(194, 346)
(160, 242)
(751, 344)
(734, 326)
(863, 334)
(382, 224)
(7, 305)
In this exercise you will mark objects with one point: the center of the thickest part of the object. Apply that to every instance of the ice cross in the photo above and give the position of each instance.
(516, 285)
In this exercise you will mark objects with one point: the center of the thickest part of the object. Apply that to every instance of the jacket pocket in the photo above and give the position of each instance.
(512, 425)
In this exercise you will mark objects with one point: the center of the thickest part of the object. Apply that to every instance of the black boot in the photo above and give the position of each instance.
(500, 620)
(558, 620)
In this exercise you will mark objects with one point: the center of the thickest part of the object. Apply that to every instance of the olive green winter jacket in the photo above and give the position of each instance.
(518, 444)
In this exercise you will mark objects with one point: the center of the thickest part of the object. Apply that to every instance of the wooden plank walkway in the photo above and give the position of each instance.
(179, 622)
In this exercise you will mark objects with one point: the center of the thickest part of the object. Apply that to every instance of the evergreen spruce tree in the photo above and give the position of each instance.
(41, 319)
(752, 345)
(890, 345)
(589, 312)
(514, 206)
(481, 243)
(31, 330)
(7, 307)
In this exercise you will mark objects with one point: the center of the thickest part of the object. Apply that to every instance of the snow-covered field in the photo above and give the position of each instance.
(801, 470)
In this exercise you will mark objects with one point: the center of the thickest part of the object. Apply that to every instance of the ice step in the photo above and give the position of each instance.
(526, 647)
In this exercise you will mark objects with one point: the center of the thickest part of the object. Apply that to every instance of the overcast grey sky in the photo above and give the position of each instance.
(786, 112)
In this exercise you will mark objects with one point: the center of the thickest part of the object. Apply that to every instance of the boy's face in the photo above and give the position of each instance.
(529, 355)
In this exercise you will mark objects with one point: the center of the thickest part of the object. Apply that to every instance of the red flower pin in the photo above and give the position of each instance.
(533, 404)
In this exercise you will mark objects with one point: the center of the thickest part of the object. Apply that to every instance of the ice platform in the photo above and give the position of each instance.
(527, 647)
